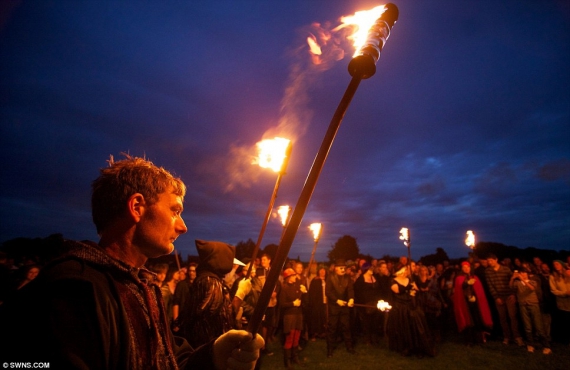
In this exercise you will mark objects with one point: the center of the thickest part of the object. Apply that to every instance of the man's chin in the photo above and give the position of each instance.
(163, 251)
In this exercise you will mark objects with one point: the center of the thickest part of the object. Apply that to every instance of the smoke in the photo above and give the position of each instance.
(305, 71)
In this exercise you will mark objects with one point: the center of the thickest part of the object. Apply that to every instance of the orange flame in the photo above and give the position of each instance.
(283, 212)
(405, 236)
(272, 153)
(358, 26)
(316, 229)
(470, 239)
(361, 21)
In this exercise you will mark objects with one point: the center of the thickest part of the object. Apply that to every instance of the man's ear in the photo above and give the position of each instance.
(136, 206)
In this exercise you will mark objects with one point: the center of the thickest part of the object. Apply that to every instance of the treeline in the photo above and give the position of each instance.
(42, 250)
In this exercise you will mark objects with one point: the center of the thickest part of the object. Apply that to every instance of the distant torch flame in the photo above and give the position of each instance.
(272, 153)
(383, 306)
(283, 212)
(361, 21)
(470, 239)
(405, 236)
(316, 229)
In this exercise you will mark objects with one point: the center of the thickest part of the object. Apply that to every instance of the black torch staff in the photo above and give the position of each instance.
(406, 238)
(270, 208)
(360, 67)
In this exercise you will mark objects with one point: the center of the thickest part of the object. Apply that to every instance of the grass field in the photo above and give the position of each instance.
(452, 354)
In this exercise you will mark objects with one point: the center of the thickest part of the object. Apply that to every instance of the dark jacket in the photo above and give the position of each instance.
(87, 310)
(339, 287)
(209, 311)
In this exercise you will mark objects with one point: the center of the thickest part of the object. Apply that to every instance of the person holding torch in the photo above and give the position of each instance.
(290, 304)
(407, 329)
(115, 319)
(339, 290)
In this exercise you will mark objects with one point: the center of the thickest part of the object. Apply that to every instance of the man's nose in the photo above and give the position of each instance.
(181, 226)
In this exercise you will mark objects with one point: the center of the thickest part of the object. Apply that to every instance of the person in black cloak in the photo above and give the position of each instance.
(209, 311)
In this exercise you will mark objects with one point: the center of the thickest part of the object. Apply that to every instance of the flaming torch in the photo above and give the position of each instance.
(317, 229)
(381, 305)
(405, 237)
(361, 67)
(283, 212)
(273, 154)
(470, 239)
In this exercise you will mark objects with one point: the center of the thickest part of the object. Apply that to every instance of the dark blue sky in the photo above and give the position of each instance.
(466, 124)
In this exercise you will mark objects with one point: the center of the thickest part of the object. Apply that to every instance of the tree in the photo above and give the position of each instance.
(433, 259)
(345, 247)
(244, 249)
(271, 250)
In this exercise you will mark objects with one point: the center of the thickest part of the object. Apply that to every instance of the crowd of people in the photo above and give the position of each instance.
(109, 305)
(479, 298)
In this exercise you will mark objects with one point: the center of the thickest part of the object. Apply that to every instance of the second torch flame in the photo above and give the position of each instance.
(272, 153)
(470, 239)
(316, 229)
(283, 212)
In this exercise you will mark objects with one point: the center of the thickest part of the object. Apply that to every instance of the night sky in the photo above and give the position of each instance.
(465, 126)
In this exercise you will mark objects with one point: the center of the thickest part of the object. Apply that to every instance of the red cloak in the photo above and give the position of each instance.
(462, 316)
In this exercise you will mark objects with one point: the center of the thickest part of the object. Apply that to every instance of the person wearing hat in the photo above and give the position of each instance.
(209, 311)
(367, 292)
(407, 329)
(470, 306)
(339, 290)
(290, 304)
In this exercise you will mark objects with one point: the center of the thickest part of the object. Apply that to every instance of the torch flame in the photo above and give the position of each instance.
(470, 240)
(316, 229)
(405, 236)
(272, 153)
(383, 306)
(361, 21)
(283, 212)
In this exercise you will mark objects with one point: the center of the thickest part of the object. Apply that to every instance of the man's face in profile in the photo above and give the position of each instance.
(160, 225)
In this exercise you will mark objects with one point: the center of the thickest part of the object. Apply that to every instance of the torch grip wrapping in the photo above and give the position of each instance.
(364, 64)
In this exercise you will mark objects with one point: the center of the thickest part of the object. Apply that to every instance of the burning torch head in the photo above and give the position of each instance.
(364, 64)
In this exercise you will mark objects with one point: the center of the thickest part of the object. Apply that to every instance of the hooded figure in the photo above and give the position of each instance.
(209, 312)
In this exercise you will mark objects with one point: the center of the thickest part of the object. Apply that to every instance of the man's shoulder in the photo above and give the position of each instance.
(71, 268)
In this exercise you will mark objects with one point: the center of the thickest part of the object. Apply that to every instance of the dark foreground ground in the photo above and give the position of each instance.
(452, 354)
